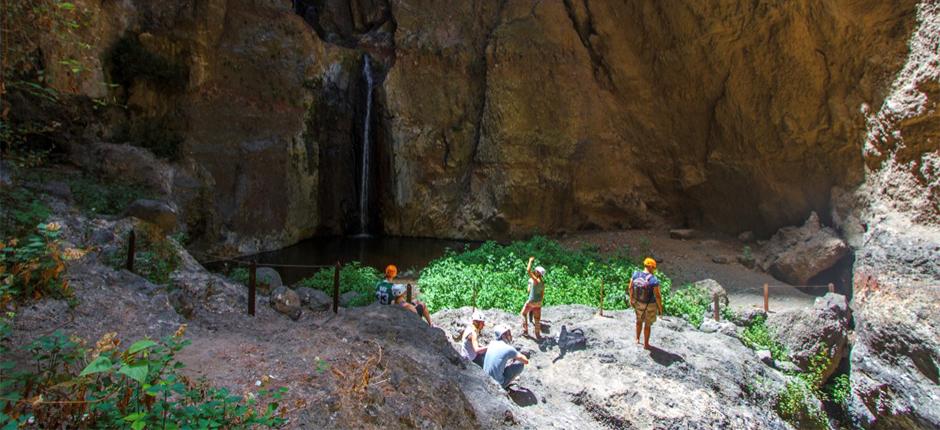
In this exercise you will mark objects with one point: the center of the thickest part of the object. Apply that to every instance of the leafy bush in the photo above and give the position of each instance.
(493, 276)
(20, 211)
(32, 268)
(104, 197)
(839, 390)
(797, 405)
(758, 336)
(690, 303)
(352, 277)
(106, 387)
(239, 274)
(155, 257)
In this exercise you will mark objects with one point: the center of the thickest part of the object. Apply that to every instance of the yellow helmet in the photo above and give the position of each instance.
(650, 263)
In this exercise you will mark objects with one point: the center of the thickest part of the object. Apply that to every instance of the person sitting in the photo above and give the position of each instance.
(502, 361)
(398, 298)
(383, 289)
(470, 348)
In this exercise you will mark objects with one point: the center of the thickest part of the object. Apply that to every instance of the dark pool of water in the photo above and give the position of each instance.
(408, 253)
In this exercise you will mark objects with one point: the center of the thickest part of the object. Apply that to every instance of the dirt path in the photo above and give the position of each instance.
(694, 260)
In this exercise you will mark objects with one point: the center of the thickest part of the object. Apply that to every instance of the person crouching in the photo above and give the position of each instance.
(470, 348)
(502, 361)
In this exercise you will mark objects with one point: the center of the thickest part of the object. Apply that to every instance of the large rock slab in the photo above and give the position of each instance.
(159, 213)
(797, 254)
(822, 329)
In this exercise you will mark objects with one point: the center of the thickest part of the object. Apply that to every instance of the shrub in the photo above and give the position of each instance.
(104, 197)
(156, 257)
(758, 336)
(106, 387)
(797, 405)
(839, 390)
(352, 277)
(493, 276)
(32, 268)
(20, 211)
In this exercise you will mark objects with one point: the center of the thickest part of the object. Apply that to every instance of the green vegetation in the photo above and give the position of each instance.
(838, 390)
(493, 276)
(796, 404)
(70, 386)
(104, 197)
(20, 211)
(758, 336)
(32, 268)
(155, 258)
(352, 277)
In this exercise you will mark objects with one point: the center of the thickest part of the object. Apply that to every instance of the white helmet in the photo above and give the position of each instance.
(500, 330)
(541, 270)
(478, 316)
(398, 289)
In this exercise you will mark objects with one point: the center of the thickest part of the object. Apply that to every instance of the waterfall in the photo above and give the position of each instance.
(366, 148)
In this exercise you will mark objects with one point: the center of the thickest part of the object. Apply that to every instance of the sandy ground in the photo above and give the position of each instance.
(691, 260)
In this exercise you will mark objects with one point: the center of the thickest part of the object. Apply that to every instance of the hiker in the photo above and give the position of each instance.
(471, 349)
(533, 306)
(389, 293)
(645, 299)
(502, 362)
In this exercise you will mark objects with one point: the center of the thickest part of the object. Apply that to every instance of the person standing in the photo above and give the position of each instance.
(534, 303)
(470, 348)
(502, 361)
(646, 300)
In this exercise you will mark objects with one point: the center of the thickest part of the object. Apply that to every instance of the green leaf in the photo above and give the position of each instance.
(135, 416)
(141, 345)
(101, 364)
(138, 425)
(137, 372)
(66, 6)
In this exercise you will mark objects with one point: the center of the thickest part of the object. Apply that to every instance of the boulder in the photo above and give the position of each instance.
(346, 298)
(682, 233)
(747, 316)
(714, 289)
(797, 254)
(722, 259)
(268, 279)
(182, 303)
(314, 299)
(765, 357)
(709, 325)
(286, 301)
(822, 329)
(159, 213)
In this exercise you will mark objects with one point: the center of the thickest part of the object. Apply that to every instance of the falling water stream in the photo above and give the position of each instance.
(366, 149)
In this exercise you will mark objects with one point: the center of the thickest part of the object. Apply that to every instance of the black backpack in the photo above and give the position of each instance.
(642, 290)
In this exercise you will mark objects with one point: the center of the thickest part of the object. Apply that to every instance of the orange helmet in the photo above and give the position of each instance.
(649, 262)
(391, 271)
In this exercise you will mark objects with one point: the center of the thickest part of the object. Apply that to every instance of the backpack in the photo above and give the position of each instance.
(642, 288)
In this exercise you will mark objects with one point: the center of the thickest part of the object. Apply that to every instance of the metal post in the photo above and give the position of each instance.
(766, 299)
(408, 294)
(131, 250)
(832, 288)
(717, 313)
(336, 288)
(252, 268)
(600, 306)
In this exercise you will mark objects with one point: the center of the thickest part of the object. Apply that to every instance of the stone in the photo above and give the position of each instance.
(156, 212)
(722, 259)
(286, 301)
(822, 329)
(797, 254)
(709, 325)
(713, 288)
(182, 303)
(747, 261)
(748, 316)
(682, 233)
(346, 298)
(314, 299)
(746, 236)
(57, 189)
(267, 279)
(764, 356)
(786, 366)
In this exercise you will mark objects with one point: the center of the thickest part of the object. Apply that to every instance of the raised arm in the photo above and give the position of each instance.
(528, 269)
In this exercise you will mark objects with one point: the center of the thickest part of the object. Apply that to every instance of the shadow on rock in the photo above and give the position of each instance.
(523, 396)
(664, 357)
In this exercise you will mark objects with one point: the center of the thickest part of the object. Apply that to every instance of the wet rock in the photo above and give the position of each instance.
(797, 254)
(286, 301)
(159, 213)
(314, 299)
(822, 329)
(268, 279)
(682, 233)
(713, 288)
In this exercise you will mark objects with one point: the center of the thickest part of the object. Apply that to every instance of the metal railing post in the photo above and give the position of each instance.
(336, 288)
(131, 250)
(766, 298)
(252, 269)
